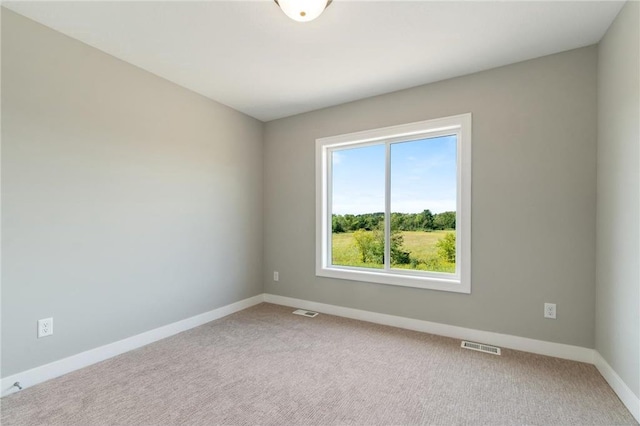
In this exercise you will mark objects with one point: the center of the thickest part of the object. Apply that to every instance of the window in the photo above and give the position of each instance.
(393, 205)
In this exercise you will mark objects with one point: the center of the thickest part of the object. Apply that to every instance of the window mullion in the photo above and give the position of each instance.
(387, 207)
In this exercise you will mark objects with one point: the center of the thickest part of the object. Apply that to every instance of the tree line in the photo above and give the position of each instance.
(425, 221)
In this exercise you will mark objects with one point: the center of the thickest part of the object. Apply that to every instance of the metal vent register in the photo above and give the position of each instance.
(480, 347)
(304, 313)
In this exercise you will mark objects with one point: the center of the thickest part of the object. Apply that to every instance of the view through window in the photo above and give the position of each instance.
(419, 192)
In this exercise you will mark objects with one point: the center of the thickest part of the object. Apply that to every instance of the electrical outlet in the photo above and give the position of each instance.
(276, 276)
(45, 327)
(550, 310)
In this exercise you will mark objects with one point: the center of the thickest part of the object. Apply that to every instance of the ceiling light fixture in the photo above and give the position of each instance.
(303, 10)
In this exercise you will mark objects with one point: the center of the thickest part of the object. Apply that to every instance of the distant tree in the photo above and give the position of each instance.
(366, 243)
(447, 247)
(396, 220)
(337, 224)
(445, 220)
(348, 221)
(398, 255)
(426, 220)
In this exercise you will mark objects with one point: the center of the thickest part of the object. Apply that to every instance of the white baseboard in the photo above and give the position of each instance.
(75, 362)
(558, 350)
(576, 353)
(628, 398)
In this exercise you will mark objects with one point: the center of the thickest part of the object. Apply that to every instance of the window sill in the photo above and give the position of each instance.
(444, 283)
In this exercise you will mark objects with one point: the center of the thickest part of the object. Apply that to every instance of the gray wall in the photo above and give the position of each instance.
(618, 223)
(533, 208)
(128, 202)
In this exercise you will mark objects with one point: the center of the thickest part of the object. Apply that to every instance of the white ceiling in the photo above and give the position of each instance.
(250, 56)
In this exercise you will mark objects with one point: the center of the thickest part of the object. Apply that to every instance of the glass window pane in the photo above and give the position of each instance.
(423, 204)
(357, 207)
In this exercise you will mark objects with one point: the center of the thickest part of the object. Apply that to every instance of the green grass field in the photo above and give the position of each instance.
(421, 245)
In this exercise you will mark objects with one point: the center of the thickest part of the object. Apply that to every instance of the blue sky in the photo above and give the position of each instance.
(423, 176)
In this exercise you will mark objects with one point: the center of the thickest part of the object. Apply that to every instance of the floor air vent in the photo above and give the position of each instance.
(306, 313)
(480, 347)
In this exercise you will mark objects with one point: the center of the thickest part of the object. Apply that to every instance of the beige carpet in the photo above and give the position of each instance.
(267, 366)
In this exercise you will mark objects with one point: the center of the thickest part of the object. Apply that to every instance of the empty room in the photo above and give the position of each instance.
(316, 212)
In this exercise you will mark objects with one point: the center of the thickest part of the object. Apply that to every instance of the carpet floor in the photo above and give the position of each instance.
(265, 366)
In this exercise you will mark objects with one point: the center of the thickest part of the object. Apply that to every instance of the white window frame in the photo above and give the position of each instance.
(460, 281)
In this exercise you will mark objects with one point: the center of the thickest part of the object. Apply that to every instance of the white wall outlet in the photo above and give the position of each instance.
(45, 327)
(550, 310)
(276, 276)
